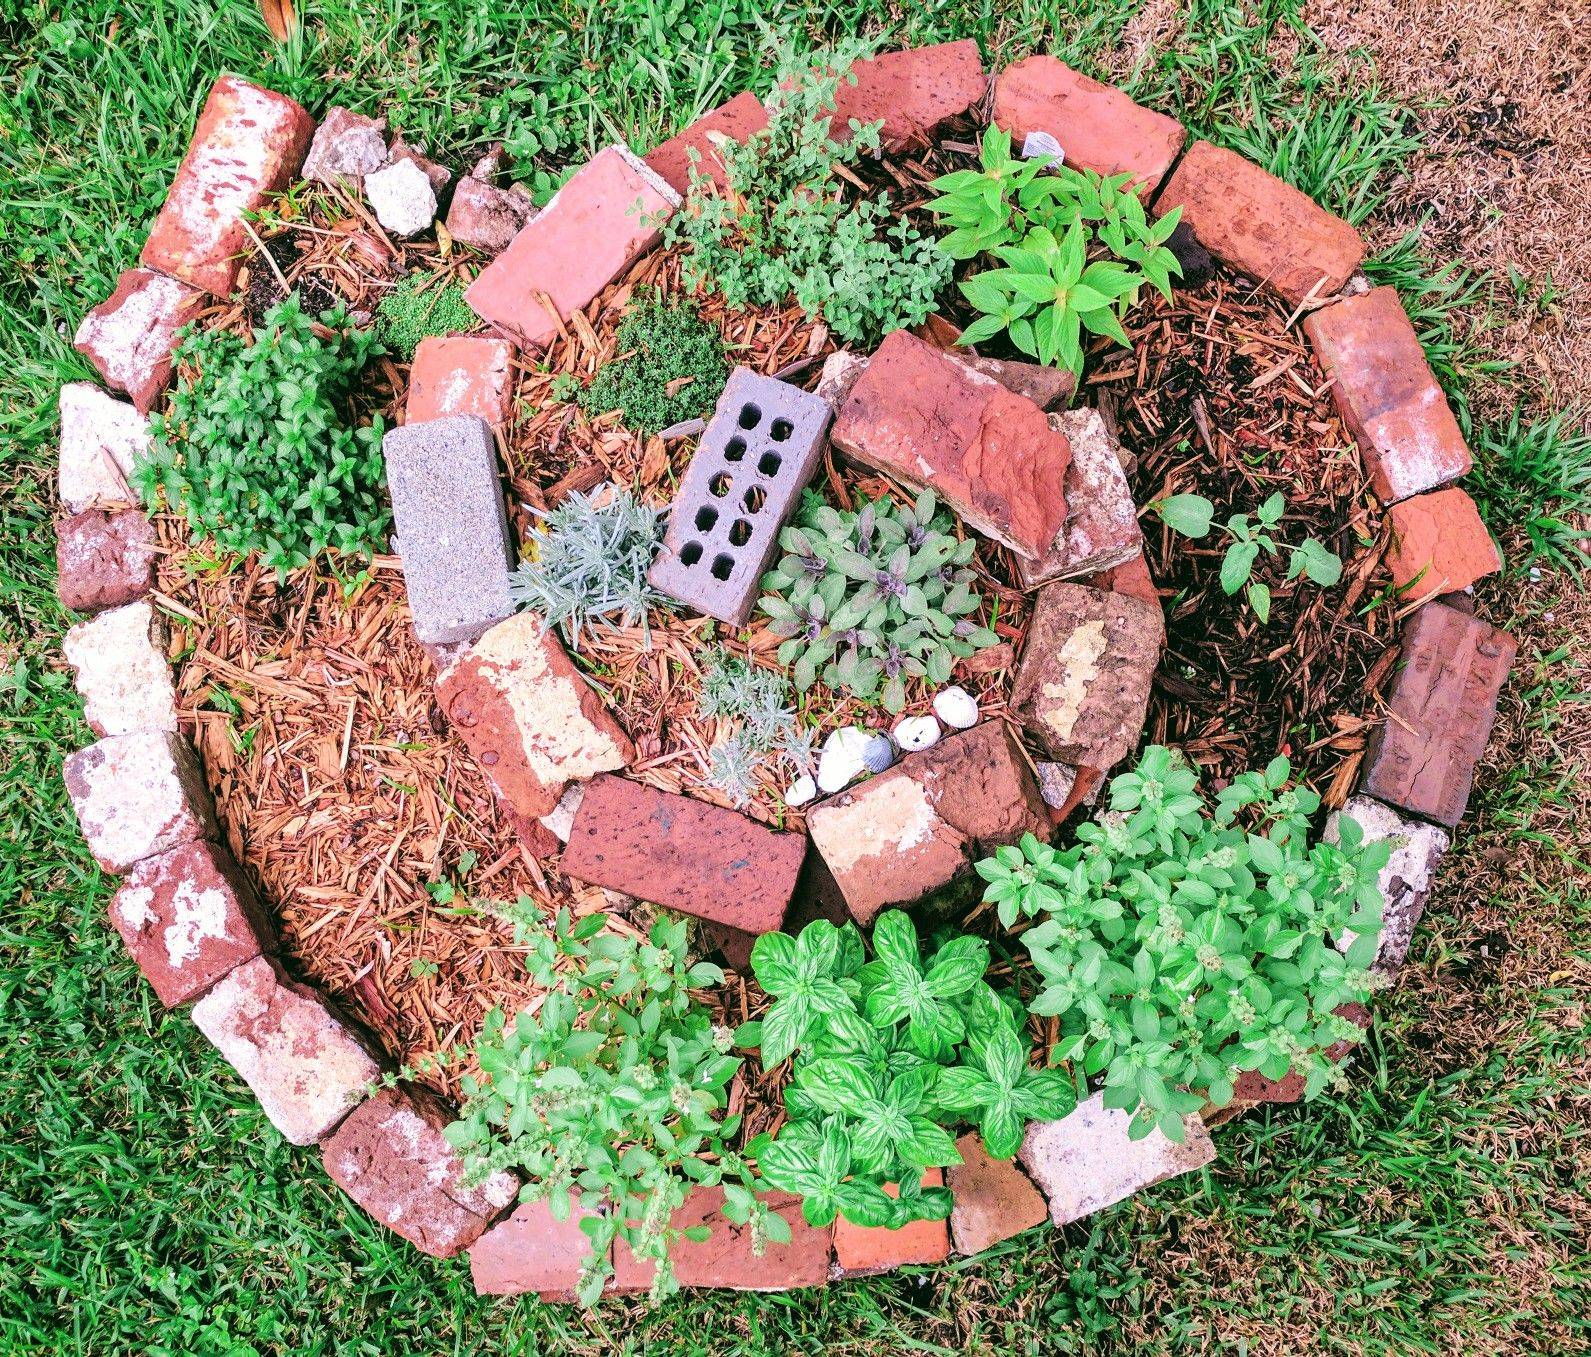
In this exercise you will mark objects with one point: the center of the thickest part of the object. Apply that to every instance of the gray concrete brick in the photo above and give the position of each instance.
(452, 529)
(760, 448)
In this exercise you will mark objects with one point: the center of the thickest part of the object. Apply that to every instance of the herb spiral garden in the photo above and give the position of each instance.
(836, 692)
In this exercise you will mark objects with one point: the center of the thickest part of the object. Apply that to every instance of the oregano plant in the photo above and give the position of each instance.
(1180, 947)
(890, 1055)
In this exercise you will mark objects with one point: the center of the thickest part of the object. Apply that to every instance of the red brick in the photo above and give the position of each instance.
(1386, 394)
(915, 829)
(994, 1198)
(1251, 1086)
(1422, 759)
(912, 92)
(189, 916)
(103, 560)
(683, 854)
(531, 1251)
(391, 1157)
(738, 120)
(1131, 577)
(589, 234)
(1249, 219)
(862, 1250)
(727, 1259)
(138, 795)
(1082, 687)
(1099, 128)
(249, 144)
(129, 336)
(462, 375)
(528, 716)
(306, 1066)
(486, 217)
(921, 416)
(1439, 544)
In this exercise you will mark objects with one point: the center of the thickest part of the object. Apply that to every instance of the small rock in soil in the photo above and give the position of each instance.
(347, 146)
(402, 198)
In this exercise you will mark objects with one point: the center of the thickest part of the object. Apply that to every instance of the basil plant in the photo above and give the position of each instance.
(1179, 948)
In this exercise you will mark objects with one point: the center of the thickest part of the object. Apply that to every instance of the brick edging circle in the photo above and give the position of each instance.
(199, 933)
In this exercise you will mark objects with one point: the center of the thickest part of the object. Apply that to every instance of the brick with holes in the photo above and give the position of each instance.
(760, 448)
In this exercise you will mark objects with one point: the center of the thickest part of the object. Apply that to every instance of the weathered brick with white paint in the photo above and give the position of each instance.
(307, 1067)
(1405, 881)
(391, 1157)
(1086, 1161)
(138, 795)
(188, 918)
(122, 673)
(1101, 527)
(101, 438)
(130, 336)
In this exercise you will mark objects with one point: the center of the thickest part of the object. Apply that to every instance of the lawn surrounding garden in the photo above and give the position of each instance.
(1438, 1201)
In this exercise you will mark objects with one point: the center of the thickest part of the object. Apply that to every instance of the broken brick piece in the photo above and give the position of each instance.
(1101, 519)
(865, 1250)
(1386, 394)
(683, 854)
(759, 450)
(306, 1066)
(1251, 1087)
(1086, 1161)
(1098, 127)
(738, 120)
(102, 439)
(119, 658)
(130, 336)
(1404, 882)
(1129, 577)
(461, 375)
(528, 717)
(995, 1199)
(138, 795)
(103, 560)
(912, 92)
(248, 144)
(1439, 544)
(1082, 686)
(189, 916)
(532, 1251)
(1251, 220)
(452, 528)
(346, 147)
(486, 217)
(915, 829)
(726, 1258)
(1421, 759)
(1045, 386)
(391, 1157)
(598, 224)
(926, 419)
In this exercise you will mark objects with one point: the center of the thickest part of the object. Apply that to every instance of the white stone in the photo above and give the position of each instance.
(799, 792)
(917, 732)
(842, 761)
(101, 440)
(1086, 1161)
(402, 198)
(957, 708)
(1056, 781)
(1404, 881)
(122, 674)
(138, 795)
(561, 818)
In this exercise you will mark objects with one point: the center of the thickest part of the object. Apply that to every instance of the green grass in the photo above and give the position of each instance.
(1438, 1206)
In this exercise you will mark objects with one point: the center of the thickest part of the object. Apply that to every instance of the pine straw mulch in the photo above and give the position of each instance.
(378, 841)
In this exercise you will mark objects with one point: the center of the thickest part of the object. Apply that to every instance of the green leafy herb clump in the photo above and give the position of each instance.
(756, 700)
(419, 307)
(257, 447)
(1191, 514)
(1179, 949)
(788, 224)
(586, 562)
(890, 1056)
(670, 368)
(1075, 249)
(612, 1092)
(871, 599)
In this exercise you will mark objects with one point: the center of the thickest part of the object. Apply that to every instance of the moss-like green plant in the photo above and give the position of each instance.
(670, 367)
(258, 448)
(419, 307)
